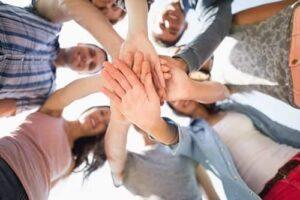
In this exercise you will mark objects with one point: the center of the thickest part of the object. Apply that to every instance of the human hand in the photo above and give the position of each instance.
(141, 43)
(176, 62)
(137, 102)
(141, 72)
(178, 83)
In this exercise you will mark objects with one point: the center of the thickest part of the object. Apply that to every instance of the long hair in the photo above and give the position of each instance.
(89, 151)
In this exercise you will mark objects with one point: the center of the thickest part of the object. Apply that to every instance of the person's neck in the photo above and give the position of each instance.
(211, 119)
(73, 131)
(60, 60)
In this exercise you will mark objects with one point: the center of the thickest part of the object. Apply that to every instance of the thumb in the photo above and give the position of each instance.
(149, 87)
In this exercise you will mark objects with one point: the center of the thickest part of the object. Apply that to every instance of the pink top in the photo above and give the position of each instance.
(38, 152)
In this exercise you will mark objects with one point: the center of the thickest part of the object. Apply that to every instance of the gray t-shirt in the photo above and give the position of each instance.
(158, 174)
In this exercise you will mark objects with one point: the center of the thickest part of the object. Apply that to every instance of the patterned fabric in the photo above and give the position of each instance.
(28, 45)
(262, 51)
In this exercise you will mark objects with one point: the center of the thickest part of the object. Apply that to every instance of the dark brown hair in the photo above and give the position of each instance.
(89, 150)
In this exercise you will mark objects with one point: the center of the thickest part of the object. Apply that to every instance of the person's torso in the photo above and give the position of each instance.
(257, 157)
(38, 152)
(157, 173)
(28, 46)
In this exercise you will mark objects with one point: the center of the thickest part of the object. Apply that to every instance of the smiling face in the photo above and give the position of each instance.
(170, 25)
(109, 9)
(95, 120)
(85, 58)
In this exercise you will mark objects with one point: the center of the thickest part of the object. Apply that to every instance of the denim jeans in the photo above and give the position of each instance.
(10, 185)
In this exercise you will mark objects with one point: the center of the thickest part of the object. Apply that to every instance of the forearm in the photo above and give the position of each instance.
(75, 90)
(216, 20)
(115, 147)
(137, 14)
(207, 91)
(92, 19)
(163, 132)
(52, 11)
(204, 181)
(8, 107)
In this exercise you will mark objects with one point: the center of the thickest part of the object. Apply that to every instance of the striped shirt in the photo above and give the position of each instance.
(28, 46)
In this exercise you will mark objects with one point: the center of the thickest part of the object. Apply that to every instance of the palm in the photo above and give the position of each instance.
(143, 45)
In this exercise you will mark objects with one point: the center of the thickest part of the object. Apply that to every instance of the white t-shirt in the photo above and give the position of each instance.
(256, 156)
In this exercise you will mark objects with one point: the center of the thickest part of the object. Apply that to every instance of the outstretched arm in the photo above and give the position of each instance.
(205, 183)
(77, 89)
(86, 15)
(181, 87)
(137, 102)
(115, 145)
(137, 38)
(216, 21)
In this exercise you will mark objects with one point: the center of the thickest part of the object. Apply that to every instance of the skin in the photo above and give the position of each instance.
(109, 9)
(170, 24)
(91, 123)
(86, 14)
(82, 58)
(195, 110)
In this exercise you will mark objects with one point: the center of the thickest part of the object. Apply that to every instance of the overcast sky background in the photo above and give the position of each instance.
(100, 186)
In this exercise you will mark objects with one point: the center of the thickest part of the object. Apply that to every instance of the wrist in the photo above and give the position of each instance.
(156, 126)
(181, 64)
(137, 35)
(190, 90)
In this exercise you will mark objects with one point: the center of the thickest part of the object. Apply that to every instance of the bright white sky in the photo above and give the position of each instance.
(100, 185)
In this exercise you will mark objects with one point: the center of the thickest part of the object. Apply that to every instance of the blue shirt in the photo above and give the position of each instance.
(28, 46)
(200, 143)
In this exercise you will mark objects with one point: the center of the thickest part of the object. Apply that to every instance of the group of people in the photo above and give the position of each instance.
(253, 156)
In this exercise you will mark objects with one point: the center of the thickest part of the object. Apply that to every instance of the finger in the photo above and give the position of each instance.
(149, 88)
(137, 63)
(128, 73)
(155, 79)
(118, 76)
(113, 84)
(145, 70)
(163, 61)
(167, 76)
(128, 59)
(112, 96)
(160, 74)
(165, 68)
